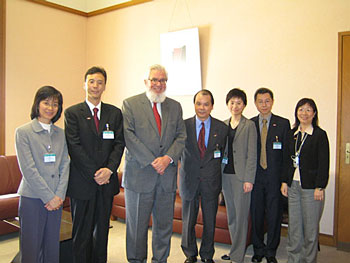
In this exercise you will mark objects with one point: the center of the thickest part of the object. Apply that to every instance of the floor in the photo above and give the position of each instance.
(116, 249)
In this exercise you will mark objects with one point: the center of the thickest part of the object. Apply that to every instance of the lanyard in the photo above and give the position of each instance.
(297, 152)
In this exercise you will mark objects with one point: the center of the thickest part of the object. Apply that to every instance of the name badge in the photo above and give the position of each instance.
(225, 160)
(49, 158)
(277, 145)
(217, 154)
(108, 135)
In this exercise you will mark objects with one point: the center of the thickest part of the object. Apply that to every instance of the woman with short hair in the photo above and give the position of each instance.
(44, 163)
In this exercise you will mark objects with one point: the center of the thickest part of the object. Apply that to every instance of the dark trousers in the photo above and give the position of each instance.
(40, 232)
(189, 219)
(91, 227)
(266, 204)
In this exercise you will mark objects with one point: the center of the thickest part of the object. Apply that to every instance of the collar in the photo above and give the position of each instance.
(206, 122)
(268, 118)
(92, 106)
(309, 130)
(37, 127)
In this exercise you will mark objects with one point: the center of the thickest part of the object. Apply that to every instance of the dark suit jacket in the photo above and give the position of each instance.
(314, 160)
(90, 152)
(207, 172)
(143, 143)
(276, 159)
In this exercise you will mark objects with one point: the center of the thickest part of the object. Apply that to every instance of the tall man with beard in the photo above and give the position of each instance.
(155, 137)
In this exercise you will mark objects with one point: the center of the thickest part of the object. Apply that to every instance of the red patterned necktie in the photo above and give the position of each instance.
(157, 116)
(201, 141)
(97, 122)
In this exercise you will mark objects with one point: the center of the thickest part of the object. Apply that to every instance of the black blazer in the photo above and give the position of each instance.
(314, 160)
(89, 151)
(193, 170)
(276, 159)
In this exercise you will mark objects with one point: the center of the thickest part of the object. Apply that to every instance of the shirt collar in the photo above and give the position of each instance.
(199, 122)
(268, 118)
(92, 106)
(309, 130)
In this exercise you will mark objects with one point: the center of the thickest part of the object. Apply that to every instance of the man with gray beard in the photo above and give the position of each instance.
(155, 138)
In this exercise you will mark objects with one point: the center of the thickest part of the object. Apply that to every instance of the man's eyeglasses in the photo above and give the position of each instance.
(155, 81)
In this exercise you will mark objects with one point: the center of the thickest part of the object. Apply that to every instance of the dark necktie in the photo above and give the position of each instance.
(157, 116)
(201, 141)
(97, 122)
(263, 160)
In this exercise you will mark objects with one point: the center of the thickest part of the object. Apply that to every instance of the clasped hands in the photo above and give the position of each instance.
(102, 176)
(161, 163)
(54, 204)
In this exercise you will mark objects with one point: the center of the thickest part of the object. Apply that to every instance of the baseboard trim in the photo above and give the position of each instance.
(326, 240)
(344, 246)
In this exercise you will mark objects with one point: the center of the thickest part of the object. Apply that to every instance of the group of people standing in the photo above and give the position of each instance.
(251, 161)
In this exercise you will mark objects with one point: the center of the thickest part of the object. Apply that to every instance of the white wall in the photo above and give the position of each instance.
(288, 46)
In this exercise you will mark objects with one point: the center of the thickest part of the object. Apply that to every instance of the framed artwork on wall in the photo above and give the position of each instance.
(181, 57)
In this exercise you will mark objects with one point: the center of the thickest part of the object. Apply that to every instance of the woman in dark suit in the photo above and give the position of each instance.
(304, 181)
(43, 160)
(239, 172)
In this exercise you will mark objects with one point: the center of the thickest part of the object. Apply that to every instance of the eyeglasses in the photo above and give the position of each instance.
(155, 81)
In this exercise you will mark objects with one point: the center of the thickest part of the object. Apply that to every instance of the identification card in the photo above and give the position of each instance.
(225, 160)
(295, 159)
(108, 135)
(277, 145)
(49, 158)
(217, 154)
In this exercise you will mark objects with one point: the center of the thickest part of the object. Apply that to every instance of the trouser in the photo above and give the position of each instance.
(90, 228)
(139, 207)
(40, 232)
(303, 225)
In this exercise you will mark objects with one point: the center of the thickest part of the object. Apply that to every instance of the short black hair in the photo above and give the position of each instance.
(204, 92)
(42, 94)
(312, 104)
(263, 91)
(94, 70)
(237, 93)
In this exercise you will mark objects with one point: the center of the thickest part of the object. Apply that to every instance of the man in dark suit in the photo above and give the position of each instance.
(200, 176)
(94, 133)
(155, 138)
(266, 196)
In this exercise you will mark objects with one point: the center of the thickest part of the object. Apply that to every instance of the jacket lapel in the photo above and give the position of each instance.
(240, 127)
(103, 118)
(193, 136)
(165, 114)
(211, 140)
(88, 117)
(147, 107)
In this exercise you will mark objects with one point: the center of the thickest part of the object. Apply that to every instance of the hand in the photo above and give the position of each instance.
(102, 176)
(318, 194)
(284, 189)
(161, 163)
(54, 204)
(247, 187)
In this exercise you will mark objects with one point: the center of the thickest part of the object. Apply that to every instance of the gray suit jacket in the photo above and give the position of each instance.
(244, 150)
(143, 143)
(207, 172)
(42, 180)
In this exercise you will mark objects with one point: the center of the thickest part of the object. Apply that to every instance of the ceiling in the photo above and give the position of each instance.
(88, 5)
